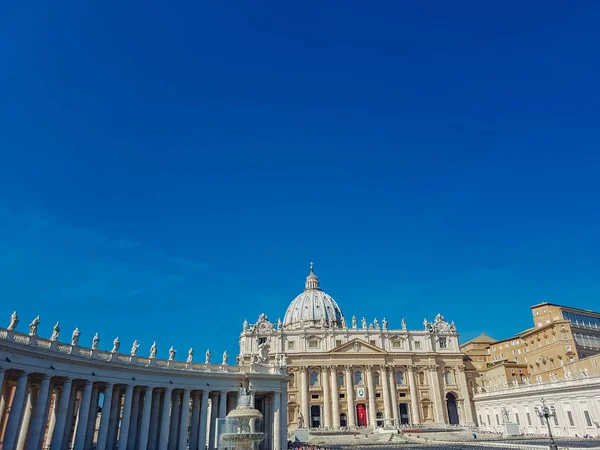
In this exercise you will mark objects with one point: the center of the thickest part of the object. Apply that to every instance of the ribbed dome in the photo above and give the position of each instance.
(313, 306)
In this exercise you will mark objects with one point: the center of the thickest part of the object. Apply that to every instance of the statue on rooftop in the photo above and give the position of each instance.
(116, 345)
(376, 323)
(95, 342)
(75, 336)
(33, 326)
(403, 324)
(172, 353)
(55, 332)
(134, 348)
(426, 324)
(344, 325)
(245, 325)
(279, 323)
(225, 358)
(353, 321)
(207, 357)
(384, 323)
(153, 350)
(14, 321)
(190, 355)
(364, 323)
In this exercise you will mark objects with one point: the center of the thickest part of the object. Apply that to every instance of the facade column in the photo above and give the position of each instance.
(371, 394)
(203, 420)
(135, 418)
(61, 417)
(185, 419)
(16, 411)
(304, 396)
(284, 413)
(385, 384)
(195, 420)
(126, 417)
(25, 421)
(154, 415)
(105, 417)
(467, 405)
(393, 396)
(52, 422)
(175, 414)
(277, 421)
(71, 423)
(350, 398)
(434, 377)
(326, 398)
(335, 397)
(165, 420)
(39, 415)
(92, 419)
(113, 421)
(415, 416)
(84, 414)
(214, 400)
(145, 419)
(2, 398)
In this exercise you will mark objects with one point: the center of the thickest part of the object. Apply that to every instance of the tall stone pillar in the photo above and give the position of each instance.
(415, 416)
(25, 421)
(385, 384)
(105, 417)
(350, 398)
(145, 420)
(214, 413)
(71, 423)
(277, 444)
(113, 421)
(45, 441)
(154, 416)
(135, 418)
(40, 415)
(434, 378)
(185, 419)
(2, 397)
(371, 394)
(335, 398)
(195, 420)
(284, 413)
(126, 417)
(61, 417)
(165, 421)
(393, 396)
(16, 412)
(465, 394)
(84, 414)
(326, 397)
(175, 414)
(92, 419)
(304, 396)
(203, 420)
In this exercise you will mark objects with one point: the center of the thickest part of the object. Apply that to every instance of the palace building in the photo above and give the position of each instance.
(348, 373)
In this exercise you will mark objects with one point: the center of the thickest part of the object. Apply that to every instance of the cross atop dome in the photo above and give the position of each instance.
(312, 281)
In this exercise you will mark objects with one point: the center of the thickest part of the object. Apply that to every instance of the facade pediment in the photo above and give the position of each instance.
(358, 346)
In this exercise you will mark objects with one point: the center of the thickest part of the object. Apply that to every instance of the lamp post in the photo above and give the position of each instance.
(545, 412)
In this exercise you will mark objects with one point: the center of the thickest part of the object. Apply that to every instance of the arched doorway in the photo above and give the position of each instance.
(343, 420)
(452, 408)
(379, 419)
(315, 416)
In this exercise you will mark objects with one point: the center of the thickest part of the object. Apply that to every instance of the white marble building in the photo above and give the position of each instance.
(62, 395)
(351, 373)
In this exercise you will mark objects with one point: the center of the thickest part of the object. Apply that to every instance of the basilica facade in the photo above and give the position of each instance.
(347, 373)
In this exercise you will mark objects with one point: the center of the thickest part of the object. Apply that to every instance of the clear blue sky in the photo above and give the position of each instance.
(169, 170)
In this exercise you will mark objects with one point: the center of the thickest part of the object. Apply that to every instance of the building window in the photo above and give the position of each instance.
(443, 343)
(338, 343)
(555, 417)
(291, 345)
(376, 379)
(517, 418)
(313, 344)
(396, 344)
(417, 345)
(314, 379)
(497, 420)
(378, 395)
(315, 396)
(489, 421)
(422, 379)
(570, 417)
(379, 419)
(372, 343)
(262, 340)
(528, 419)
(399, 377)
(340, 379)
(402, 394)
(342, 395)
(358, 379)
(343, 421)
(588, 419)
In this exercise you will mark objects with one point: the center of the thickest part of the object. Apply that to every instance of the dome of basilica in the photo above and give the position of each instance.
(313, 307)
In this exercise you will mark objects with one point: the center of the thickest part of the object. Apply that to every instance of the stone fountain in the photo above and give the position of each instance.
(239, 431)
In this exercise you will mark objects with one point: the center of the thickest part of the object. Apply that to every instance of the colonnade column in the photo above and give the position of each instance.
(214, 411)
(415, 416)
(105, 417)
(135, 418)
(185, 419)
(350, 398)
(92, 418)
(175, 413)
(2, 399)
(14, 418)
(45, 440)
(29, 402)
(203, 420)
(195, 420)
(165, 420)
(39, 415)
(113, 421)
(335, 398)
(326, 397)
(126, 417)
(277, 421)
(385, 384)
(393, 396)
(284, 412)
(145, 422)
(154, 415)
(467, 405)
(84, 413)
(434, 377)
(61, 418)
(371, 394)
(304, 396)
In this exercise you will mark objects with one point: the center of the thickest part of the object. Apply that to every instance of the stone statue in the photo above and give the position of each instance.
(116, 345)
(172, 352)
(134, 348)
(153, 350)
(225, 358)
(207, 357)
(95, 342)
(553, 378)
(33, 326)
(384, 323)
(14, 321)
(55, 332)
(300, 420)
(245, 325)
(190, 356)
(371, 326)
(344, 325)
(505, 417)
(364, 323)
(263, 318)
(403, 324)
(353, 321)
(426, 324)
(376, 323)
(279, 324)
(75, 337)
(538, 379)
(515, 383)
(568, 374)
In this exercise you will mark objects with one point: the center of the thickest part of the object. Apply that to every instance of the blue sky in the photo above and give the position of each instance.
(170, 170)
